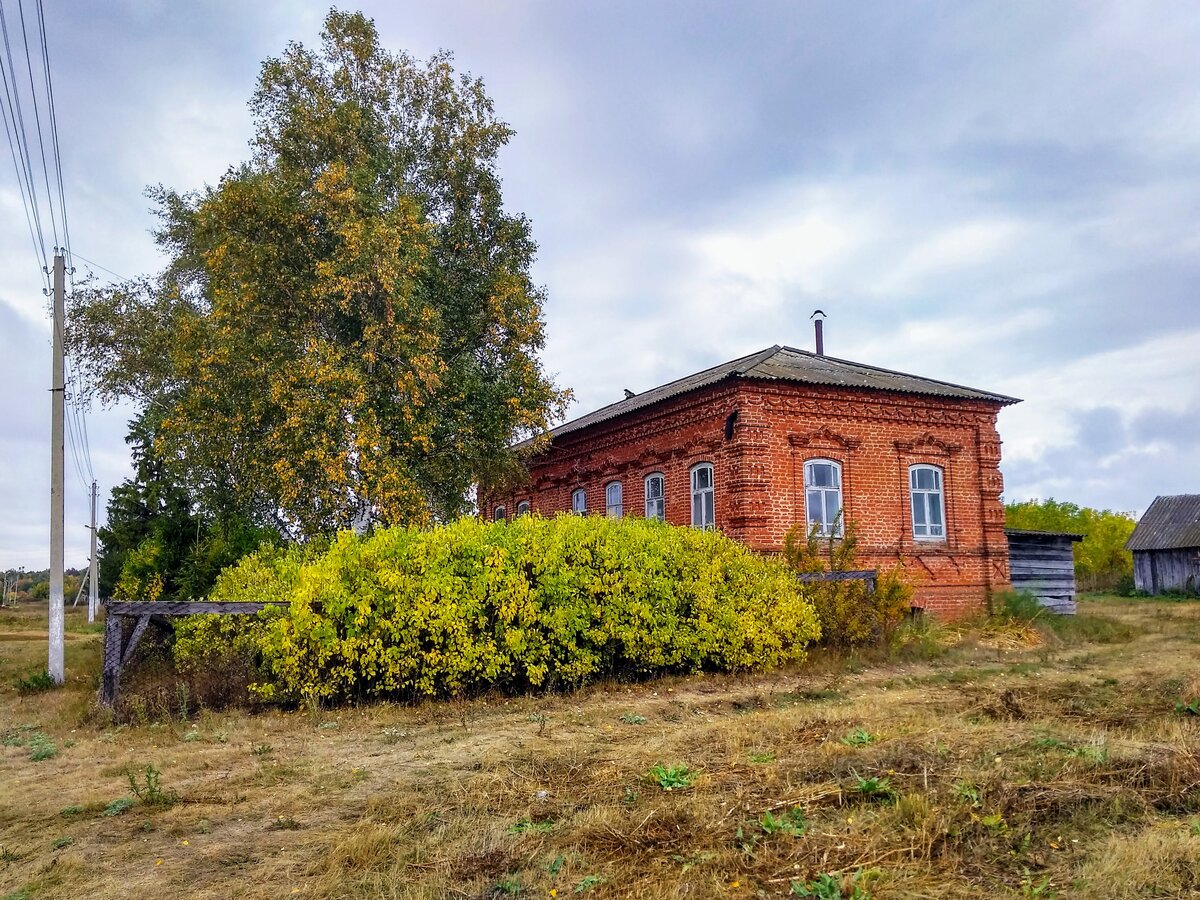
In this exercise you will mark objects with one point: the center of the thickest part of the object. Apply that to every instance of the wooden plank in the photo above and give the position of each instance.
(185, 607)
(110, 676)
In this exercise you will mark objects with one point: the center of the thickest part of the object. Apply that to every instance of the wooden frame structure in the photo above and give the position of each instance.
(870, 576)
(119, 649)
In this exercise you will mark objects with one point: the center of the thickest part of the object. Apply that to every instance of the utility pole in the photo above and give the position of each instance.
(54, 665)
(93, 590)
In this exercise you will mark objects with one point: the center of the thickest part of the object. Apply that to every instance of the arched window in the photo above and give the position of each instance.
(579, 501)
(823, 497)
(613, 497)
(928, 506)
(703, 496)
(499, 514)
(656, 500)
(523, 508)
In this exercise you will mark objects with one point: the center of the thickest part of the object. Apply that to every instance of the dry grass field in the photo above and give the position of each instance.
(979, 762)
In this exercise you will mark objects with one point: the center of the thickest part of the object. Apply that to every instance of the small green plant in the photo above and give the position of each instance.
(1190, 707)
(966, 792)
(61, 842)
(875, 789)
(1091, 753)
(633, 719)
(1195, 829)
(193, 734)
(764, 756)
(831, 886)
(993, 822)
(284, 823)
(510, 886)
(791, 823)
(672, 778)
(262, 749)
(148, 789)
(71, 812)
(859, 737)
(527, 826)
(588, 882)
(7, 855)
(118, 806)
(41, 747)
(555, 865)
(1030, 888)
(36, 683)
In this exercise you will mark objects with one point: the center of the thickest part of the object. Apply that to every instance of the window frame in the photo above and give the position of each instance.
(499, 513)
(661, 499)
(619, 506)
(710, 490)
(524, 508)
(831, 527)
(579, 509)
(924, 494)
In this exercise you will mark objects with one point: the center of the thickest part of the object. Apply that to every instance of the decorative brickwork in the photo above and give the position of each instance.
(758, 458)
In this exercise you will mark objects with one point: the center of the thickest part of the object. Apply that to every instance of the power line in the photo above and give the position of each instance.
(62, 196)
(96, 265)
(37, 120)
(27, 184)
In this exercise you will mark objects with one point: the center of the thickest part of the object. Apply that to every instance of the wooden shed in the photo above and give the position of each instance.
(1043, 563)
(1166, 546)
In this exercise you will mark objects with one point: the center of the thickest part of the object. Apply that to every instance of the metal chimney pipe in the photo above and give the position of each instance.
(818, 327)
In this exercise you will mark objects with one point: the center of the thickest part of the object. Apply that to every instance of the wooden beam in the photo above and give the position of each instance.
(118, 652)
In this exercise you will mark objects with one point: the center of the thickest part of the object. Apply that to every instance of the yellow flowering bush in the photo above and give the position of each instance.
(530, 604)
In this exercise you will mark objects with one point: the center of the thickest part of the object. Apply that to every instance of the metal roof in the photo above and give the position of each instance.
(1171, 523)
(1035, 533)
(779, 363)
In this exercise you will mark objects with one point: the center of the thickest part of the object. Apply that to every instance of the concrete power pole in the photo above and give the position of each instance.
(54, 665)
(93, 589)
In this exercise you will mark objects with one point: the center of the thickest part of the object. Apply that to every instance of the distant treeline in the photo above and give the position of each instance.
(36, 585)
(1101, 561)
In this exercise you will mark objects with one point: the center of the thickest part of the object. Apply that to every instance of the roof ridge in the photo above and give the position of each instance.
(851, 362)
(766, 353)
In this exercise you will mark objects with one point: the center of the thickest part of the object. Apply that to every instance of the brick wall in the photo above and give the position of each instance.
(758, 471)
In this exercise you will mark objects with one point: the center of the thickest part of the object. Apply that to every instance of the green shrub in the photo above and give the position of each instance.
(849, 613)
(526, 605)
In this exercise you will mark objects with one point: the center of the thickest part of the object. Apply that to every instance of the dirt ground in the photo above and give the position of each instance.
(977, 762)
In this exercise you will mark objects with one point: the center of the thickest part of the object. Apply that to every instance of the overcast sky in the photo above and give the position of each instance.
(1004, 195)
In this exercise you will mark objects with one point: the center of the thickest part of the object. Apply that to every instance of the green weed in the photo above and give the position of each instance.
(859, 737)
(875, 789)
(148, 789)
(527, 826)
(35, 683)
(791, 823)
(118, 806)
(633, 719)
(765, 756)
(41, 747)
(588, 882)
(672, 778)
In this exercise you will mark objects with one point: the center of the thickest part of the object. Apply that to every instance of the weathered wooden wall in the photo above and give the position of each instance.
(1044, 564)
(1159, 571)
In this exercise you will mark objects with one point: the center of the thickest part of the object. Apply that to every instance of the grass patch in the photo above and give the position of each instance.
(1010, 768)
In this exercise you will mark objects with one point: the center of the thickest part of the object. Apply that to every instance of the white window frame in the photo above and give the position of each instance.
(830, 523)
(656, 507)
(920, 499)
(704, 514)
(500, 514)
(523, 508)
(579, 501)
(614, 499)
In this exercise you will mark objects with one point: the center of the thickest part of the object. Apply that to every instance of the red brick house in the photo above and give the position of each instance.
(757, 444)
